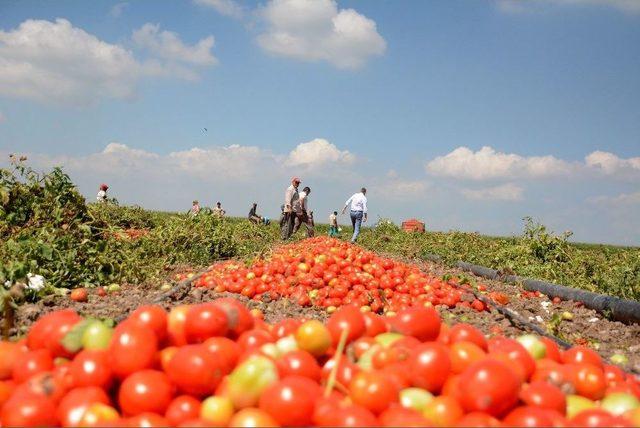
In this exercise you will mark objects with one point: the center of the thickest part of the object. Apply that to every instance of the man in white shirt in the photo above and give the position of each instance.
(218, 211)
(102, 193)
(303, 215)
(358, 211)
(290, 199)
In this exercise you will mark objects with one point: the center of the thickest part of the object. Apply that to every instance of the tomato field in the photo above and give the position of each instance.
(155, 319)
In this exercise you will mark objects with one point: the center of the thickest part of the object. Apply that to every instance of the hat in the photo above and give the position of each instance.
(295, 179)
(103, 186)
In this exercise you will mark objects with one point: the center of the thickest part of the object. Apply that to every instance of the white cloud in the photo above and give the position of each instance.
(504, 192)
(621, 199)
(117, 9)
(394, 187)
(316, 30)
(223, 7)
(317, 153)
(167, 45)
(610, 164)
(487, 164)
(631, 6)
(58, 63)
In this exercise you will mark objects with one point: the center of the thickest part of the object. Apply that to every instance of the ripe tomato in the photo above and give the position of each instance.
(195, 370)
(76, 402)
(463, 354)
(239, 319)
(99, 414)
(528, 416)
(145, 391)
(345, 373)
(588, 380)
(373, 390)
(299, 363)
(226, 349)
(421, 323)
(50, 329)
(429, 365)
(176, 324)
(204, 321)
(290, 401)
(489, 386)
(153, 317)
(543, 395)
(32, 363)
(398, 416)
(285, 327)
(28, 410)
(147, 420)
(254, 338)
(553, 351)
(132, 348)
(252, 417)
(313, 337)
(513, 351)
(181, 409)
(443, 411)
(374, 324)
(594, 418)
(50, 385)
(216, 410)
(478, 419)
(467, 333)
(91, 368)
(79, 295)
(9, 353)
(581, 354)
(347, 318)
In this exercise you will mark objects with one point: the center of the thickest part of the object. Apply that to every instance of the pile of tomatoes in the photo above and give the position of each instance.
(330, 273)
(219, 364)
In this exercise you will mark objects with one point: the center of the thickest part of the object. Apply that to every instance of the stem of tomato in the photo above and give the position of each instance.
(334, 371)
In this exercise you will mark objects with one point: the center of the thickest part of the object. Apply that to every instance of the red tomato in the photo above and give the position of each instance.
(9, 353)
(581, 354)
(467, 333)
(429, 365)
(588, 380)
(489, 386)
(285, 327)
(299, 363)
(145, 391)
(254, 338)
(182, 409)
(251, 417)
(195, 370)
(153, 317)
(346, 318)
(32, 363)
(478, 419)
(443, 411)
(593, 418)
(543, 395)
(147, 420)
(91, 368)
(226, 349)
(373, 390)
(28, 411)
(291, 400)
(374, 324)
(79, 295)
(398, 416)
(46, 384)
(176, 324)
(463, 354)
(239, 318)
(204, 321)
(553, 351)
(346, 370)
(75, 403)
(132, 348)
(528, 416)
(421, 323)
(50, 329)
(512, 350)
(353, 416)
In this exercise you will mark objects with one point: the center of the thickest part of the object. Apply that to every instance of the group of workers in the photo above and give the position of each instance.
(295, 211)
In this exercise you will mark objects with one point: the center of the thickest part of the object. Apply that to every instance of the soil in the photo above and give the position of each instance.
(586, 326)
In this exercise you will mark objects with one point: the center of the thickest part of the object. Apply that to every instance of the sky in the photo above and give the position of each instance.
(469, 115)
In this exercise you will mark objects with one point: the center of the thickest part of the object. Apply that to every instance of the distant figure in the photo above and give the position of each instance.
(303, 214)
(253, 215)
(333, 224)
(281, 216)
(218, 211)
(102, 193)
(358, 211)
(290, 199)
(195, 208)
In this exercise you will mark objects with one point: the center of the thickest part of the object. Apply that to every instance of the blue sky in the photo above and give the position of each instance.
(467, 114)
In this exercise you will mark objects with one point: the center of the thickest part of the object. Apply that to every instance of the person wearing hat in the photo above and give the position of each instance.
(303, 214)
(102, 193)
(290, 200)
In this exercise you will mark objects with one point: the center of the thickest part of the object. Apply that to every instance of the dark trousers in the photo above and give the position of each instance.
(287, 224)
(303, 218)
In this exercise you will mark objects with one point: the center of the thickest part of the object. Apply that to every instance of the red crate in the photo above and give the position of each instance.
(413, 225)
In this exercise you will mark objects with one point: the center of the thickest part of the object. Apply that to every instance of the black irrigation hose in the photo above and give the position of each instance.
(627, 311)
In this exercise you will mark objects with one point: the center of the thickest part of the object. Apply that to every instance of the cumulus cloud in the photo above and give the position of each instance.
(630, 6)
(117, 9)
(57, 62)
(504, 192)
(487, 164)
(224, 7)
(317, 153)
(610, 164)
(167, 45)
(316, 30)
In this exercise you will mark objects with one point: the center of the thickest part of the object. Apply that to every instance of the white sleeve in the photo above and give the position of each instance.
(364, 205)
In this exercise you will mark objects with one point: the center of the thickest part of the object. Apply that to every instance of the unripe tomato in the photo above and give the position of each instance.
(216, 410)
(145, 391)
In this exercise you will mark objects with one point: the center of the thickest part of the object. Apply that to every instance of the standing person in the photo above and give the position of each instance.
(102, 193)
(291, 196)
(195, 208)
(218, 211)
(358, 211)
(333, 224)
(281, 216)
(303, 215)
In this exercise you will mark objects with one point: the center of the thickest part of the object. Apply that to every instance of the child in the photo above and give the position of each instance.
(333, 224)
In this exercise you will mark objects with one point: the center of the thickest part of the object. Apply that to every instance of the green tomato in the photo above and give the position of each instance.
(287, 344)
(365, 361)
(113, 288)
(386, 339)
(578, 403)
(96, 335)
(618, 403)
(247, 382)
(619, 359)
(415, 398)
(534, 345)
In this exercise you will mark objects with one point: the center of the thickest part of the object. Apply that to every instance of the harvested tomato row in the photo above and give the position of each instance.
(329, 273)
(219, 364)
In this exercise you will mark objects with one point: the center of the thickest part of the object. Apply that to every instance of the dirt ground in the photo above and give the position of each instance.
(585, 327)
